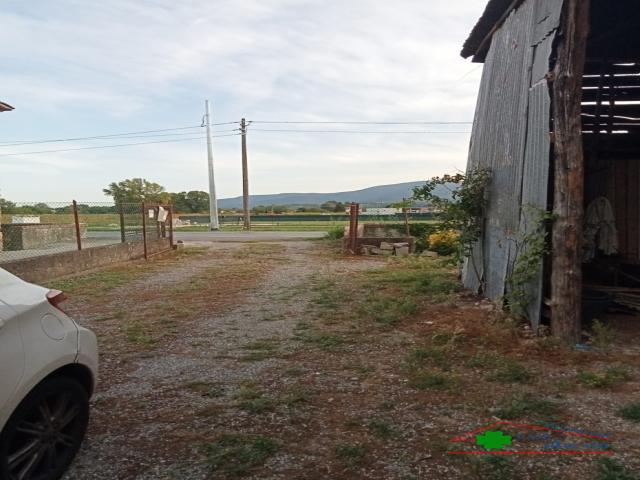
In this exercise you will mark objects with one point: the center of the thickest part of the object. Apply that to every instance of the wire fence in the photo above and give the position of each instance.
(45, 228)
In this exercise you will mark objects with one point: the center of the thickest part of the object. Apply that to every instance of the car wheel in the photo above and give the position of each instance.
(45, 432)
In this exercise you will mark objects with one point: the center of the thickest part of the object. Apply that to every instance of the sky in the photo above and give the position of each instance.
(74, 68)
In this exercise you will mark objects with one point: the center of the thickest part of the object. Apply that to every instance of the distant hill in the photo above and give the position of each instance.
(373, 195)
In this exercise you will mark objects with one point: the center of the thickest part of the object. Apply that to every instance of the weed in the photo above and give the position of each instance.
(526, 405)
(351, 453)
(493, 467)
(603, 334)
(630, 412)
(612, 469)
(236, 455)
(260, 350)
(206, 389)
(421, 355)
(381, 429)
(512, 372)
(136, 333)
(610, 378)
(325, 341)
(295, 397)
(427, 380)
(485, 360)
(335, 233)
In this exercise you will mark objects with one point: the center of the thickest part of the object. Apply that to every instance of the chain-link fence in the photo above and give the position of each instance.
(45, 228)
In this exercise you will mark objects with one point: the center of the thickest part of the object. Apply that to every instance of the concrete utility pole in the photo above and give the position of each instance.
(213, 200)
(245, 177)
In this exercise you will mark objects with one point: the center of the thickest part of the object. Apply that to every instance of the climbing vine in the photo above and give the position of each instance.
(531, 247)
(462, 210)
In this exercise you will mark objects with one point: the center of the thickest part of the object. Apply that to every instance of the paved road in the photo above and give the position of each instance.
(227, 236)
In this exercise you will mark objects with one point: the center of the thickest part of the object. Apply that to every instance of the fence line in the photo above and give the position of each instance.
(37, 229)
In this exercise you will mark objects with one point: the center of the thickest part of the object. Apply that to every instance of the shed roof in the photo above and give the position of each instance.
(493, 15)
(5, 107)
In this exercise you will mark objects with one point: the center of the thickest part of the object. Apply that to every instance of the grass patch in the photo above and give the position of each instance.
(485, 360)
(630, 412)
(295, 397)
(351, 453)
(137, 334)
(387, 311)
(260, 350)
(252, 400)
(422, 355)
(610, 378)
(492, 467)
(512, 372)
(530, 406)
(381, 429)
(430, 380)
(236, 455)
(612, 469)
(206, 389)
(98, 283)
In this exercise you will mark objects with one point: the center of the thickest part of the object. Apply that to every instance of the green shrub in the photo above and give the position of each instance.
(335, 233)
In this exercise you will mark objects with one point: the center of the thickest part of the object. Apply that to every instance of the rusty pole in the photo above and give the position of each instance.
(122, 232)
(353, 228)
(171, 225)
(144, 230)
(77, 222)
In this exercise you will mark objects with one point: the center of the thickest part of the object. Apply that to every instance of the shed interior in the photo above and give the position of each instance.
(611, 136)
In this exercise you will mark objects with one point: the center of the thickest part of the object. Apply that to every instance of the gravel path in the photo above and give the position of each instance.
(142, 401)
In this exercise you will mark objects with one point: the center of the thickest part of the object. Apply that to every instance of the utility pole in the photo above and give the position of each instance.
(245, 177)
(213, 200)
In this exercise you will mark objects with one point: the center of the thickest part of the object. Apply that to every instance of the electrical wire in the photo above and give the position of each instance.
(113, 146)
(100, 137)
(351, 131)
(360, 123)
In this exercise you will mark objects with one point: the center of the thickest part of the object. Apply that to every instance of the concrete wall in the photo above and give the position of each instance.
(34, 236)
(45, 268)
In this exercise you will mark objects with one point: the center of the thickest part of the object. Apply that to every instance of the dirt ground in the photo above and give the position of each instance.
(289, 361)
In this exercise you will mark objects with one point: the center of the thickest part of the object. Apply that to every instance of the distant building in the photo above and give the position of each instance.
(381, 211)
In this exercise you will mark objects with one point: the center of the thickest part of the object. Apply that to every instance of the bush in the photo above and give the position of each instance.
(444, 243)
(335, 233)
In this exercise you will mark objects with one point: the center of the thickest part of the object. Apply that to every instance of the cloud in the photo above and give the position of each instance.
(103, 67)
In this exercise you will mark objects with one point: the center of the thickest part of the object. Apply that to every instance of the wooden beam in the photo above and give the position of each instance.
(566, 276)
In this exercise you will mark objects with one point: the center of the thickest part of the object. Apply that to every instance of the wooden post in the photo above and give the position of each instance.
(171, 225)
(77, 222)
(245, 177)
(566, 276)
(122, 230)
(144, 230)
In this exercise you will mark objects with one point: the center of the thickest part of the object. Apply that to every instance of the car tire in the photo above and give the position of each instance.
(45, 432)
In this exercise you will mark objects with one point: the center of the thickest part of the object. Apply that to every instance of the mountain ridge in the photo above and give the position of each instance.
(377, 194)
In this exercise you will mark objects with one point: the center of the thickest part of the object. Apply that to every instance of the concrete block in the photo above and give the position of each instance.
(386, 246)
(402, 251)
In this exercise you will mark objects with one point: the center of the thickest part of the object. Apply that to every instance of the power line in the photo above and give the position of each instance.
(359, 123)
(113, 146)
(114, 135)
(353, 131)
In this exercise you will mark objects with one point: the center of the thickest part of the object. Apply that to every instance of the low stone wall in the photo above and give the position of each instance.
(377, 242)
(48, 267)
(34, 236)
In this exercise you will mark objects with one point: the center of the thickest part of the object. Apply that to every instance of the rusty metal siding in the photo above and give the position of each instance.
(511, 138)
(498, 143)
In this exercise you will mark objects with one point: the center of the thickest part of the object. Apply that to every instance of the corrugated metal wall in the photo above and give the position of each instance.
(511, 138)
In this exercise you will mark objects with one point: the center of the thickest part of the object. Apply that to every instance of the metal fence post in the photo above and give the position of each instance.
(77, 222)
(144, 230)
(122, 231)
(171, 225)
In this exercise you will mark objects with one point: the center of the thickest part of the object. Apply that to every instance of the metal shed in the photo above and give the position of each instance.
(560, 93)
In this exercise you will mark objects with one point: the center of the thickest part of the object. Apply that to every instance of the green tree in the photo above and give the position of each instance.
(135, 190)
(6, 206)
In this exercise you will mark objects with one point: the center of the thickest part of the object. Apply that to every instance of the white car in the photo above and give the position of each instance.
(48, 371)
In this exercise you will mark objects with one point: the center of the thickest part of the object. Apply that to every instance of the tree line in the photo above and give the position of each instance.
(138, 190)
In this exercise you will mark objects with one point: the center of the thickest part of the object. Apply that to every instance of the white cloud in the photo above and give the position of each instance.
(102, 67)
